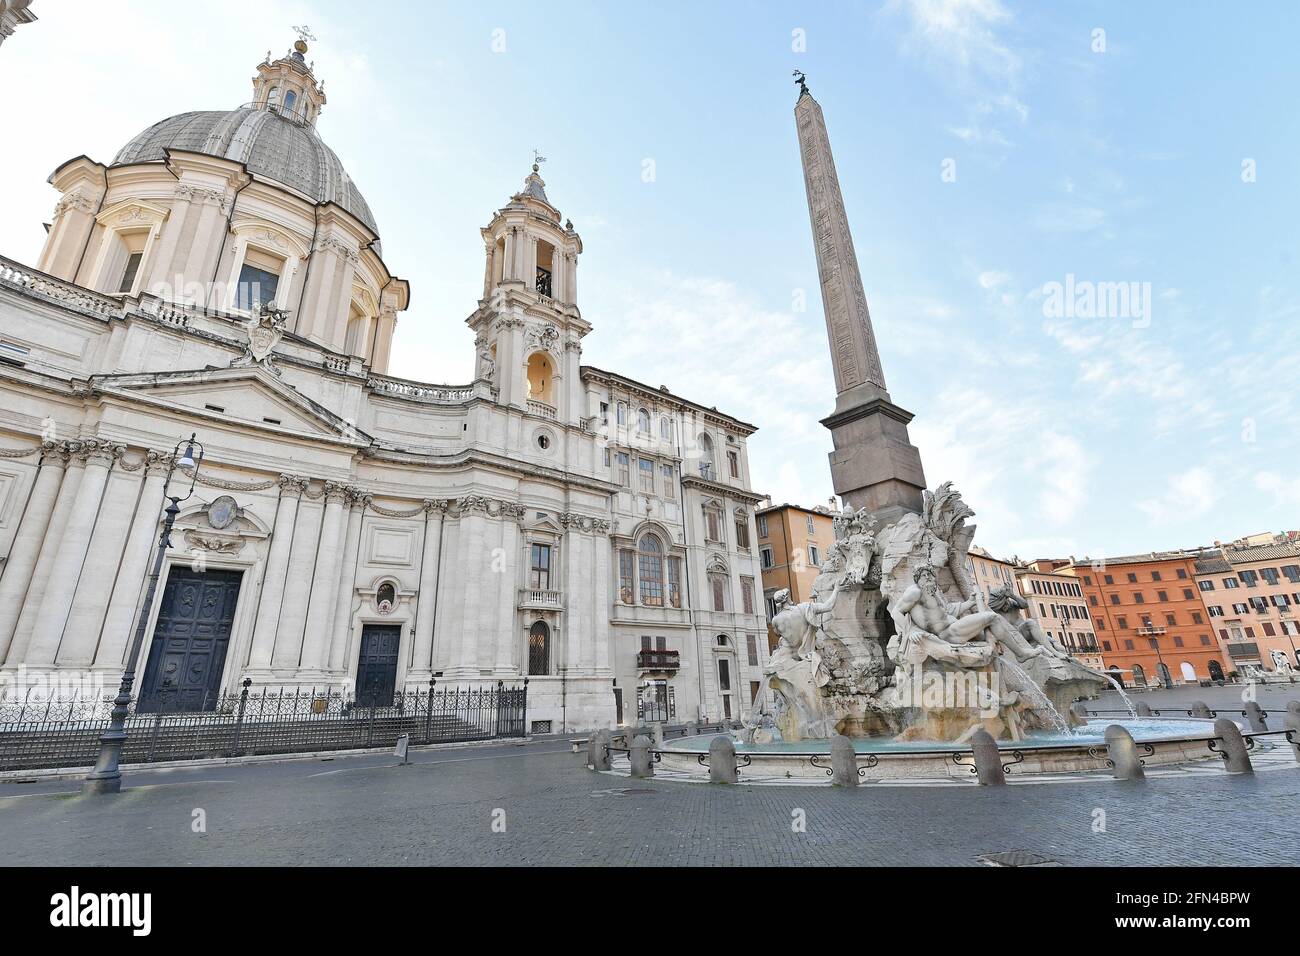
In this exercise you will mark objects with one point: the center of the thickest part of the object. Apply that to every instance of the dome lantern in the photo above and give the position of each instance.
(288, 86)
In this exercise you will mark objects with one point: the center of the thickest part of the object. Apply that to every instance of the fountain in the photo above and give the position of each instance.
(898, 650)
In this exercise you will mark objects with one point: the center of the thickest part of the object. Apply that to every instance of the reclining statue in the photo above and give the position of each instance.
(951, 632)
(1011, 606)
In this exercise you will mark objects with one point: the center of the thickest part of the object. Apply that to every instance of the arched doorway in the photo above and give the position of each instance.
(1216, 670)
(1139, 676)
(1162, 672)
(1116, 675)
(539, 648)
(1189, 672)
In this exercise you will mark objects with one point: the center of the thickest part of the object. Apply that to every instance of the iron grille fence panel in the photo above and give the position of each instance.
(65, 733)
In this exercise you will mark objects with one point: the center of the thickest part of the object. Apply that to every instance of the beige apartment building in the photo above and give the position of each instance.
(792, 543)
(1251, 591)
(1056, 601)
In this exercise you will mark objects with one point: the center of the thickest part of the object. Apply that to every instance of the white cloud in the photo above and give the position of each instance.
(1190, 494)
(1285, 491)
(991, 279)
(961, 33)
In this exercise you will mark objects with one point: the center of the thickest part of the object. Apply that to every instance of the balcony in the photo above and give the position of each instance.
(541, 598)
(541, 409)
(1152, 631)
(658, 660)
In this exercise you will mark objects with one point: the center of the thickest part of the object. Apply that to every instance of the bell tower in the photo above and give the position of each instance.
(527, 327)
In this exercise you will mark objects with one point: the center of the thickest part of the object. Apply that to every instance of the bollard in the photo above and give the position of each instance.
(722, 761)
(403, 744)
(1202, 710)
(598, 756)
(844, 762)
(1143, 708)
(1256, 717)
(1080, 710)
(639, 754)
(1232, 746)
(1121, 749)
(692, 728)
(657, 734)
(1293, 725)
(988, 759)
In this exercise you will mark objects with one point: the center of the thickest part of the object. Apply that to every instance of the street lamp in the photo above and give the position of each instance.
(107, 777)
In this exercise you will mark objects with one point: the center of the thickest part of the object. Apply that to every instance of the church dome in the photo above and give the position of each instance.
(271, 145)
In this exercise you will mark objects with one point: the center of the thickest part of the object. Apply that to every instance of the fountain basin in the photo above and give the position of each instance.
(1161, 741)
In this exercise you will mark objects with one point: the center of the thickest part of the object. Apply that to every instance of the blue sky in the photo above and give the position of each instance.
(1067, 435)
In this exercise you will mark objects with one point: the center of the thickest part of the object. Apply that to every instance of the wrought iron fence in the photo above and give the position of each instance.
(38, 734)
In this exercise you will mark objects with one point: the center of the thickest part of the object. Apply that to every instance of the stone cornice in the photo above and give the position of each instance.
(722, 490)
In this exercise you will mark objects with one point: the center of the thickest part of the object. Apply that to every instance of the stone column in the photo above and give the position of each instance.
(26, 546)
(347, 583)
(448, 616)
(66, 568)
(507, 627)
(297, 589)
(577, 621)
(277, 566)
(603, 588)
(324, 587)
(67, 497)
(128, 589)
(104, 560)
(426, 599)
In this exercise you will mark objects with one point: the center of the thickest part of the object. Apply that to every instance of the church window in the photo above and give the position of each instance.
(386, 597)
(540, 567)
(651, 567)
(706, 456)
(742, 531)
(290, 98)
(712, 524)
(129, 272)
(540, 379)
(643, 422)
(626, 583)
(718, 585)
(259, 278)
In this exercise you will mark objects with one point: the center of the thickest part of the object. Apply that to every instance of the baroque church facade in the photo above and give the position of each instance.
(349, 531)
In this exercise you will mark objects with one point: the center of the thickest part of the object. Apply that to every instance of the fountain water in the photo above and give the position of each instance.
(1041, 701)
(1132, 711)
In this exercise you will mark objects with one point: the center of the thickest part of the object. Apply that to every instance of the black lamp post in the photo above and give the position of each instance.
(107, 777)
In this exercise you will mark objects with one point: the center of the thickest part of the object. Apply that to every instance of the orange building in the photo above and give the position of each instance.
(1148, 616)
(792, 542)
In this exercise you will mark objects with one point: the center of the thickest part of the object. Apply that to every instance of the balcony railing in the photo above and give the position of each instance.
(540, 597)
(658, 660)
(1152, 631)
(542, 409)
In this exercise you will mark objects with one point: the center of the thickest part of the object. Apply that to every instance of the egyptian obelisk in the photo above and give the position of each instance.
(874, 464)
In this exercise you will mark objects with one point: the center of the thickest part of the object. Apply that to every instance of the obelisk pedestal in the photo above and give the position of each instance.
(874, 464)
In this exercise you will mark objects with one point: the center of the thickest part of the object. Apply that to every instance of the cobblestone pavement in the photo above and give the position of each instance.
(441, 810)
